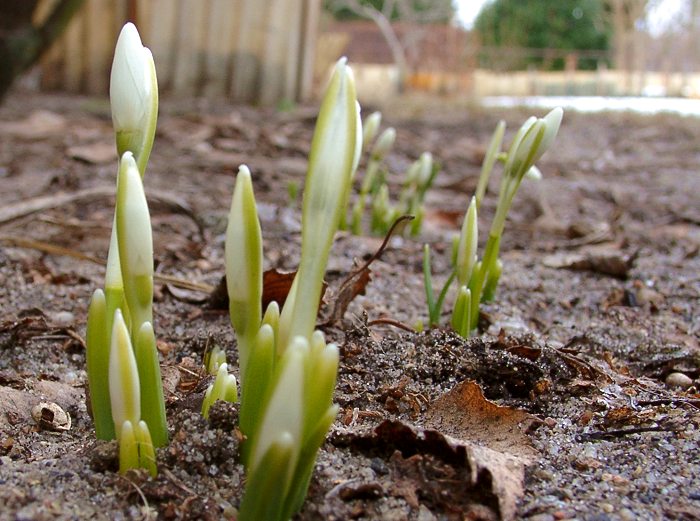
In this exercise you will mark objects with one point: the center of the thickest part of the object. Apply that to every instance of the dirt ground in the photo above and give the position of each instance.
(578, 399)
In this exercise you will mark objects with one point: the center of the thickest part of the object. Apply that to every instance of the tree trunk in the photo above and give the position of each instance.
(21, 43)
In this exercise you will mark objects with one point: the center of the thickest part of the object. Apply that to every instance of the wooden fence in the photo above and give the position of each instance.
(259, 51)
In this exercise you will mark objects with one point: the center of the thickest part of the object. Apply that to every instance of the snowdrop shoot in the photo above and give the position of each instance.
(133, 94)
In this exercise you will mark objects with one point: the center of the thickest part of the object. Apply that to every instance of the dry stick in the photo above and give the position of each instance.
(59, 250)
(358, 271)
(47, 202)
(618, 433)
(386, 321)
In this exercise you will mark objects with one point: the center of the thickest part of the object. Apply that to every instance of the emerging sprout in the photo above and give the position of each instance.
(123, 370)
(492, 153)
(287, 371)
(135, 445)
(468, 242)
(243, 252)
(418, 179)
(213, 360)
(478, 280)
(384, 144)
(224, 388)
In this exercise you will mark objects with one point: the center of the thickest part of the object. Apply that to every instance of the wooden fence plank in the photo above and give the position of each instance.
(221, 37)
(100, 38)
(74, 57)
(293, 56)
(190, 37)
(248, 50)
(161, 23)
(52, 60)
(248, 55)
(274, 52)
(307, 52)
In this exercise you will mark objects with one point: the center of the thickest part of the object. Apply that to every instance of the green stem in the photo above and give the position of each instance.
(428, 284)
(476, 285)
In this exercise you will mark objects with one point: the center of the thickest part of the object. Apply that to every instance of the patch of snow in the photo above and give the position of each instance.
(642, 105)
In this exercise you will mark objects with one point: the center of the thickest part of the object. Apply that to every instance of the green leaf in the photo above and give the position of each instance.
(152, 401)
(267, 485)
(97, 341)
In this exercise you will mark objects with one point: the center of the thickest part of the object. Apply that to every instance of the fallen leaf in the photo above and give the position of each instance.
(94, 153)
(39, 124)
(276, 286)
(605, 259)
(493, 436)
(450, 474)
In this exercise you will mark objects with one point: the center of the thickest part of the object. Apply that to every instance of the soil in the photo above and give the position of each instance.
(588, 359)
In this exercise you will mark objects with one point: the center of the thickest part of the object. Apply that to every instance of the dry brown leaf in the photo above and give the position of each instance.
(38, 125)
(449, 473)
(493, 436)
(606, 259)
(276, 286)
(94, 153)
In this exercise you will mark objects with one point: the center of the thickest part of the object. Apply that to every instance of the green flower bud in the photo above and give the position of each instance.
(124, 387)
(468, 242)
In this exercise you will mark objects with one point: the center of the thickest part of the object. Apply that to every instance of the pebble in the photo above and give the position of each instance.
(627, 515)
(63, 318)
(541, 517)
(678, 381)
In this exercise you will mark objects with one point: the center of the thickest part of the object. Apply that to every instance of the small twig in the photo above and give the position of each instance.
(59, 250)
(338, 309)
(400, 221)
(138, 490)
(390, 322)
(608, 435)
(46, 247)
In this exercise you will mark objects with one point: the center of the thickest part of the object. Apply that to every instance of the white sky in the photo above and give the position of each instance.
(467, 11)
(664, 13)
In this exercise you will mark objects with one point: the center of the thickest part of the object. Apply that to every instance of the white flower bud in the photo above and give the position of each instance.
(384, 143)
(133, 94)
(371, 128)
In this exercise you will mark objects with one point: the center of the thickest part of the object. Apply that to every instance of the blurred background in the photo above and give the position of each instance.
(279, 51)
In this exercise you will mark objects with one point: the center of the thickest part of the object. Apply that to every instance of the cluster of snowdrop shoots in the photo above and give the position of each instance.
(287, 371)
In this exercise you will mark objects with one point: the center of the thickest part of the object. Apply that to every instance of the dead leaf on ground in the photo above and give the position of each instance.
(94, 153)
(276, 286)
(184, 133)
(604, 259)
(493, 436)
(39, 124)
(443, 472)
